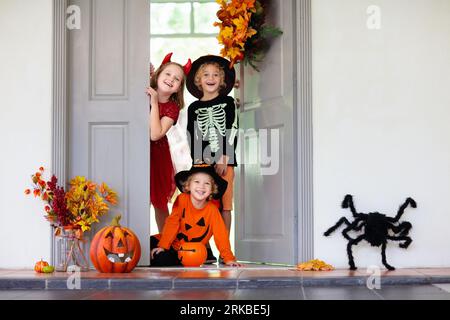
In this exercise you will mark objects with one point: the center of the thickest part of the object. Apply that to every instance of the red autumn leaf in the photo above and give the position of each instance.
(27, 191)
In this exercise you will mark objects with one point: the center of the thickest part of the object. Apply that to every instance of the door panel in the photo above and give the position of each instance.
(265, 202)
(109, 140)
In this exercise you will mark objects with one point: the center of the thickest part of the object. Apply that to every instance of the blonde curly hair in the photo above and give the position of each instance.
(198, 75)
(214, 187)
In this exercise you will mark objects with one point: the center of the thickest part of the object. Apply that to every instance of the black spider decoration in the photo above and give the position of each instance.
(375, 227)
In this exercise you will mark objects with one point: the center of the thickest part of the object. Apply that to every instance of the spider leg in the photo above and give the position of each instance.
(337, 225)
(403, 245)
(383, 257)
(401, 210)
(348, 203)
(358, 228)
(351, 243)
(403, 228)
(353, 226)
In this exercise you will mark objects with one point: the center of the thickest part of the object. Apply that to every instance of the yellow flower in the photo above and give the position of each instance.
(86, 204)
(226, 33)
(233, 52)
(234, 31)
(239, 26)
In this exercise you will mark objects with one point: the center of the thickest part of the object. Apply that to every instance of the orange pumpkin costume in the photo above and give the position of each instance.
(186, 223)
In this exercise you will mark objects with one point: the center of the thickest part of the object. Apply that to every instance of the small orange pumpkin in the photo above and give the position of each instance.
(115, 248)
(192, 254)
(40, 265)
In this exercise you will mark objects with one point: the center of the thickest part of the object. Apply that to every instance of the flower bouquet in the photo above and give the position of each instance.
(73, 212)
(243, 30)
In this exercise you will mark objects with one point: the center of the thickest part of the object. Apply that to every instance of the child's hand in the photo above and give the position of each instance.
(151, 92)
(234, 264)
(221, 169)
(156, 251)
(221, 165)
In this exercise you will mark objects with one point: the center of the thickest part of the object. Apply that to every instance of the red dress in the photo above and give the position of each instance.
(162, 172)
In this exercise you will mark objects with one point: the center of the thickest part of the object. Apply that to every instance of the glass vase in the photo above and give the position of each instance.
(70, 250)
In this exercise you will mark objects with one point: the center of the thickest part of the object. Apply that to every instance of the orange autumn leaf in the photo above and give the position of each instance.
(111, 200)
(79, 207)
(314, 265)
(251, 35)
(234, 27)
(102, 188)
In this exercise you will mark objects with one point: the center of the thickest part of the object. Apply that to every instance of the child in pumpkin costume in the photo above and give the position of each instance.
(194, 218)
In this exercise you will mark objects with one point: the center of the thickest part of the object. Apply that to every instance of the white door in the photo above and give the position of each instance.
(108, 136)
(264, 199)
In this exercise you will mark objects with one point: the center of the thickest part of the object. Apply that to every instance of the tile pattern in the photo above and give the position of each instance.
(213, 277)
(410, 292)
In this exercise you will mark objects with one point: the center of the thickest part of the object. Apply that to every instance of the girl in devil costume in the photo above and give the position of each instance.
(166, 100)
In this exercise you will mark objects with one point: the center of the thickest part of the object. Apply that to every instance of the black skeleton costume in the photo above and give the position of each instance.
(212, 127)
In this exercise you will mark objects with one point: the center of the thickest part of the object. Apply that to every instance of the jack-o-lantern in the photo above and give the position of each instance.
(193, 233)
(115, 248)
(192, 254)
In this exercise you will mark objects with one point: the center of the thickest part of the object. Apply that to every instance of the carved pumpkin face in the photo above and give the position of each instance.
(194, 232)
(115, 249)
(192, 254)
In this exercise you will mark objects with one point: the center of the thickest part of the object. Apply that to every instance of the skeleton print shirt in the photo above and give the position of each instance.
(212, 130)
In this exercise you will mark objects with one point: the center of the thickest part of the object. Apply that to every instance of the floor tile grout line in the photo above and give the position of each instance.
(377, 294)
(238, 279)
(422, 273)
(303, 286)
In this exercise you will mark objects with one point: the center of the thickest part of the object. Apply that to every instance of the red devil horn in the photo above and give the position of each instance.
(187, 67)
(167, 58)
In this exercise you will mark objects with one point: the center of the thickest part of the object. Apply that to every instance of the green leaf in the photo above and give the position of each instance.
(270, 32)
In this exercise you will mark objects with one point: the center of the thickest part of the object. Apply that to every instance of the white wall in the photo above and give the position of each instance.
(381, 124)
(25, 127)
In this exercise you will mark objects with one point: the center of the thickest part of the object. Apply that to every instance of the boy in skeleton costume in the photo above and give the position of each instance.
(213, 122)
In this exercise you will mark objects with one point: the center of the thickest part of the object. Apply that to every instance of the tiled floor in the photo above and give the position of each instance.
(248, 283)
(423, 292)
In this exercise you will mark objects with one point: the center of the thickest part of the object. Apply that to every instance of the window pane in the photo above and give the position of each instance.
(205, 16)
(169, 18)
(183, 48)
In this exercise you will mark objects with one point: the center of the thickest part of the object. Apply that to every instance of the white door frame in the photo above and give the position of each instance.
(60, 126)
(303, 113)
(304, 143)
